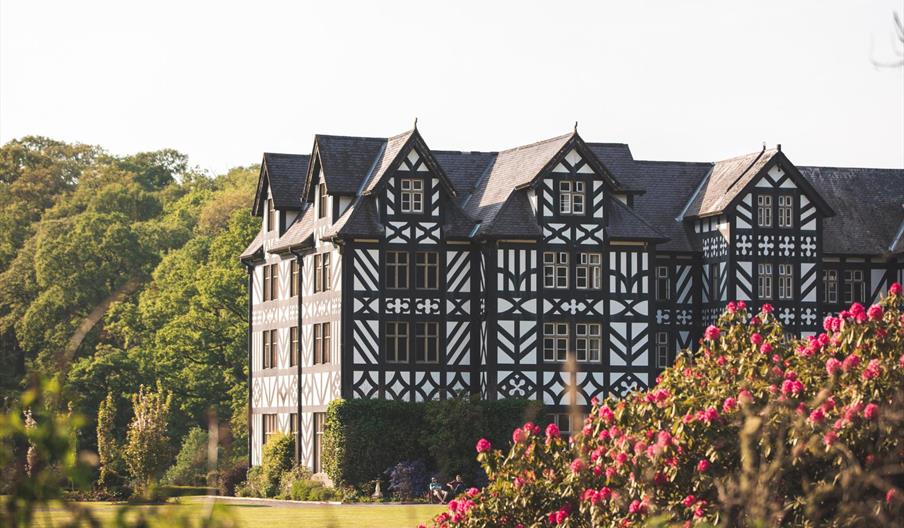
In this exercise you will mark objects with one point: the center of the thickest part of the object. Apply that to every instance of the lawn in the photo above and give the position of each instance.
(195, 511)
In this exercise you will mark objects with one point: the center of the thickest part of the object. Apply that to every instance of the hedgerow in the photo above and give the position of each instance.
(364, 438)
(753, 429)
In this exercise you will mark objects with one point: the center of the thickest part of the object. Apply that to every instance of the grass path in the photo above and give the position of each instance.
(252, 514)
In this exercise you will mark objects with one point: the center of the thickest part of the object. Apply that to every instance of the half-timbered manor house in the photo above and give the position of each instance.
(385, 269)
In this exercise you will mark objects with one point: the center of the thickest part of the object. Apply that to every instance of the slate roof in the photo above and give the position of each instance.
(464, 169)
(618, 159)
(298, 233)
(668, 185)
(868, 207)
(287, 174)
(626, 224)
(361, 219)
(725, 181)
(254, 246)
(515, 219)
(346, 160)
(388, 155)
(510, 169)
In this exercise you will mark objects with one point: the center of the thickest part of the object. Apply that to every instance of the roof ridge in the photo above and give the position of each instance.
(536, 143)
(756, 153)
(676, 162)
(318, 135)
(284, 154)
(901, 170)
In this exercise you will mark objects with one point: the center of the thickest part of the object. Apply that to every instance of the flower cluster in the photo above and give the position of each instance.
(827, 402)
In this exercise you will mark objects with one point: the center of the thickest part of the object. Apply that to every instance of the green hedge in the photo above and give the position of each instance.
(363, 438)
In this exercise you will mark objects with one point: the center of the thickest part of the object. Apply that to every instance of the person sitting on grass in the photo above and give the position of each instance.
(436, 491)
(456, 487)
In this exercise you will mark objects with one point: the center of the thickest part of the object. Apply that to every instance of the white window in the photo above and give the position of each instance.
(588, 342)
(572, 199)
(555, 269)
(785, 210)
(785, 281)
(764, 210)
(412, 197)
(589, 273)
(662, 349)
(764, 281)
(555, 341)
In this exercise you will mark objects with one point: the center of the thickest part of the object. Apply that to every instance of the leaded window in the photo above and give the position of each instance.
(323, 204)
(271, 215)
(785, 210)
(322, 275)
(830, 286)
(269, 428)
(293, 346)
(295, 280)
(322, 343)
(269, 349)
(662, 349)
(854, 286)
(662, 283)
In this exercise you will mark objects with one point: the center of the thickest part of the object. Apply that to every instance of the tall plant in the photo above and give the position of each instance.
(147, 441)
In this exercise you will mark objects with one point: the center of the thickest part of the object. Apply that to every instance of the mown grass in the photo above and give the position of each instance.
(197, 512)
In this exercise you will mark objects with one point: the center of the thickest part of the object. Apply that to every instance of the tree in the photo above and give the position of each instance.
(108, 450)
(147, 448)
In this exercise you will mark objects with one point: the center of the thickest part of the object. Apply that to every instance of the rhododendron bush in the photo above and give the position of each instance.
(750, 429)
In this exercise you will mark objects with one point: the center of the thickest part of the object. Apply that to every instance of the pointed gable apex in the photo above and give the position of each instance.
(411, 151)
(575, 153)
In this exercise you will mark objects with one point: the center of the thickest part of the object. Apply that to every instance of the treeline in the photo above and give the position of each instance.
(121, 271)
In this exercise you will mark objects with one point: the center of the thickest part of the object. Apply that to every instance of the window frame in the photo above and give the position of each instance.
(715, 282)
(571, 193)
(411, 195)
(269, 426)
(397, 270)
(321, 343)
(663, 284)
(830, 286)
(764, 286)
(764, 210)
(785, 281)
(585, 340)
(555, 342)
(322, 272)
(592, 271)
(295, 276)
(426, 272)
(271, 215)
(269, 349)
(662, 349)
(319, 425)
(323, 201)
(426, 333)
(396, 333)
(293, 346)
(786, 211)
(854, 279)
(559, 269)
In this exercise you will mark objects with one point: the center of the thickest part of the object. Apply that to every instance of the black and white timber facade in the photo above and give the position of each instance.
(385, 269)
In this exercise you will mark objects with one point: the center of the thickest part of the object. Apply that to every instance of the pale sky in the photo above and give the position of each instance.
(225, 81)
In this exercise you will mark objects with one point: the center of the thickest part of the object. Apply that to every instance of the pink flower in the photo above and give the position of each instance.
(518, 482)
(792, 387)
(871, 411)
(483, 445)
(856, 309)
(577, 465)
(453, 505)
(561, 515)
(606, 414)
(552, 431)
(745, 396)
(766, 348)
(767, 308)
(689, 501)
(710, 415)
(829, 438)
(895, 289)
(874, 313)
(517, 435)
(472, 492)
(901, 361)
(833, 366)
(605, 493)
(742, 305)
(590, 495)
(754, 321)
(872, 370)
(637, 507)
(850, 362)
(817, 416)
(703, 465)
(892, 493)
(731, 307)
(711, 333)
(756, 339)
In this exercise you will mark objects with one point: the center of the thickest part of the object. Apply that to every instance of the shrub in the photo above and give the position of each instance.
(190, 468)
(752, 430)
(278, 458)
(147, 444)
(364, 438)
(408, 480)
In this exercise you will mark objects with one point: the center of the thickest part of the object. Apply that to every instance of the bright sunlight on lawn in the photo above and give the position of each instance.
(252, 515)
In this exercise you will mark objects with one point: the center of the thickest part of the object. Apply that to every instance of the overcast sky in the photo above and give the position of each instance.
(225, 81)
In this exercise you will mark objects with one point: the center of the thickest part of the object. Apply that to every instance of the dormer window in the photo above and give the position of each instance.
(271, 215)
(571, 197)
(323, 201)
(412, 195)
